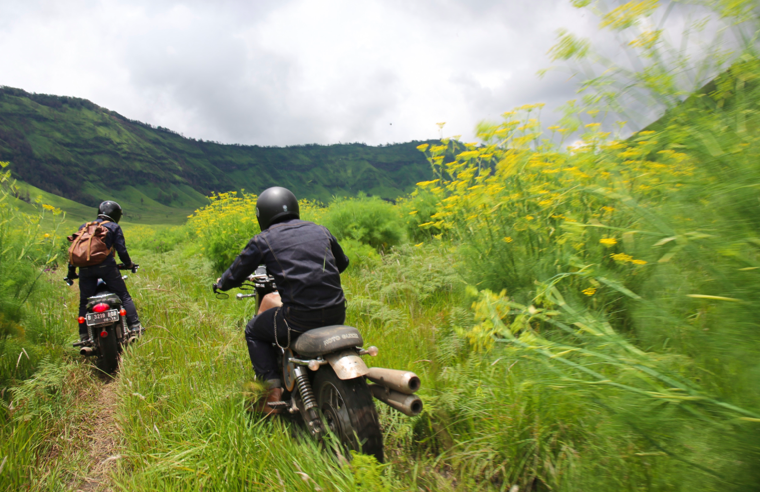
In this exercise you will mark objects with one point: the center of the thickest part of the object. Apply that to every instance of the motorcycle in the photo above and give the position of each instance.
(106, 321)
(325, 381)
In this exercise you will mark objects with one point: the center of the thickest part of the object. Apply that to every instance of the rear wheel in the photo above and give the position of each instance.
(108, 360)
(349, 411)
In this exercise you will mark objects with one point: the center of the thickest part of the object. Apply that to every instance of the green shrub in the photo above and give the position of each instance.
(28, 302)
(370, 221)
(417, 209)
(359, 254)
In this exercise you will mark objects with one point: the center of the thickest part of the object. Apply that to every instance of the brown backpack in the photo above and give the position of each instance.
(88, 245)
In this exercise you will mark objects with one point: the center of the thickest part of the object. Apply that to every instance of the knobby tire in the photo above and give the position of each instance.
(349, 410)
(108, 360)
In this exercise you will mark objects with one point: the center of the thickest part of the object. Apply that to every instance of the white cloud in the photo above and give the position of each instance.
(278, 73)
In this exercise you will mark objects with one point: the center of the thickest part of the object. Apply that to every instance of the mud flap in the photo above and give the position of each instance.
(347, 364)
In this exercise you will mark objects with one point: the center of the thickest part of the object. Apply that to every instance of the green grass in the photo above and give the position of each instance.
(622, 353)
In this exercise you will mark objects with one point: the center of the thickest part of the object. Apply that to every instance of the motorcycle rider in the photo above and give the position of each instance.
(109, 214)
(306, 261)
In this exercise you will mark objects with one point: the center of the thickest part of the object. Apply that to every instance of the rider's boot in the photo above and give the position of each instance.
(136, 330)
(274, 395)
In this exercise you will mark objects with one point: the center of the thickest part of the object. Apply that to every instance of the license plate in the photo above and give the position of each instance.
(94, 319)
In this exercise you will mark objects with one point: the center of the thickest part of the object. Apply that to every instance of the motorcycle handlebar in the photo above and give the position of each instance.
(260, 278)
(121, 266)
(134, 267)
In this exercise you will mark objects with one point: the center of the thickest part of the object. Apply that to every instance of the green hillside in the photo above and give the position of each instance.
(74, 149)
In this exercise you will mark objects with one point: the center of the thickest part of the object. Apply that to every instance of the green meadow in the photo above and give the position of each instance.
(582, 318)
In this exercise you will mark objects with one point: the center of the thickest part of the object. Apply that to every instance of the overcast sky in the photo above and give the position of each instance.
(293, 71)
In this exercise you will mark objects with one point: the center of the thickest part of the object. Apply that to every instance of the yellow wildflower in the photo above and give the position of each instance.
(507, 239)
(608, 241)
(639, 262)
(590, 291)
(622, 257)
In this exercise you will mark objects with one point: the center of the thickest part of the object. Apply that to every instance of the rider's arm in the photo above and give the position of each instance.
(244, 265)
(341, 260)
(120, 245)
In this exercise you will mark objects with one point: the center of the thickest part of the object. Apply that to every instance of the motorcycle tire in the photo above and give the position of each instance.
(349, 411)
(108, 360)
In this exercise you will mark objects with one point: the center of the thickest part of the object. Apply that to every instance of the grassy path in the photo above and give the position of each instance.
(101, 434)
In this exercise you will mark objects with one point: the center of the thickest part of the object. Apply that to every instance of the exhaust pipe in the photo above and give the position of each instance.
(410, 405)
(87, 351)
(404, 381)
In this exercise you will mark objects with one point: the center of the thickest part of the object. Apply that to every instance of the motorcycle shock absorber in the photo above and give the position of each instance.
(308, 399)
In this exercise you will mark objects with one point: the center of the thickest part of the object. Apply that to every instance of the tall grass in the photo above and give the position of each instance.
(581, 319)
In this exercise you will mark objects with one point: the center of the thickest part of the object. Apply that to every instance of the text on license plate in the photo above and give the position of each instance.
(94, 319)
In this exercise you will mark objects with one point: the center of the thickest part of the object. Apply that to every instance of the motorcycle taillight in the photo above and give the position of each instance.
(101, 307)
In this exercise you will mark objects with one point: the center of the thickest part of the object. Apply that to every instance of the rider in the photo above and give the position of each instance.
(306, 261)
(109, 213)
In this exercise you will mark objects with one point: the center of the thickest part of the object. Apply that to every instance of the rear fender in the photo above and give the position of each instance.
(347, 364)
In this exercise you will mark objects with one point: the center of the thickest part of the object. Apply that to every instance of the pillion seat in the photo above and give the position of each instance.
(320, 341)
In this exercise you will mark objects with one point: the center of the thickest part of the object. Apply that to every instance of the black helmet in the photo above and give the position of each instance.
(275, 204)
(109, 210)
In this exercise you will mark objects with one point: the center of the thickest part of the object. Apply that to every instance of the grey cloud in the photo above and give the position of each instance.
(297, 71)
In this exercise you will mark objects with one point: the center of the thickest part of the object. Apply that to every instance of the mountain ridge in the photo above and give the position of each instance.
(75, 149)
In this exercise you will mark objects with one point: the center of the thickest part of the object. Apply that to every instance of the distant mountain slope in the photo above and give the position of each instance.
(75, 149)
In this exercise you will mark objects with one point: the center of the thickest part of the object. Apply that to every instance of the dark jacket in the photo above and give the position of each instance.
(114, 239)
(305, 260)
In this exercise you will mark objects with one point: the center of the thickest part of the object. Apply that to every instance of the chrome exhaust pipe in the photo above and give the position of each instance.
(87, 351)
(404, 381)
(410, 405)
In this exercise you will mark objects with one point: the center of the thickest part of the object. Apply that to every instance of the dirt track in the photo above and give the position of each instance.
(101, 434)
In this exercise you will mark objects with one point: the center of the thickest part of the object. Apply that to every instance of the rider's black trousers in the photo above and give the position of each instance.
(88, 283)
(260, 335)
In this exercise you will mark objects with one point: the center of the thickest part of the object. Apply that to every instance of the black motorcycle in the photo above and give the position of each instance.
(325, 381)
(106, 321)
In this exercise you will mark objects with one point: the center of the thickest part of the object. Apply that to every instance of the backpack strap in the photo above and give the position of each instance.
(113, 248)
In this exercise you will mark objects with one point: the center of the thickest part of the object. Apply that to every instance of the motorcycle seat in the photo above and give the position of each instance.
(328, 339)
(108, 297)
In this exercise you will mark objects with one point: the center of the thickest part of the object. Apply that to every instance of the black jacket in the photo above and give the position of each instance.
(304, 258)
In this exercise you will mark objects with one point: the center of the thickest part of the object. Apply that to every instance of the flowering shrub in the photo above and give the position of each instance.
(228, 222)
(521, 209)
